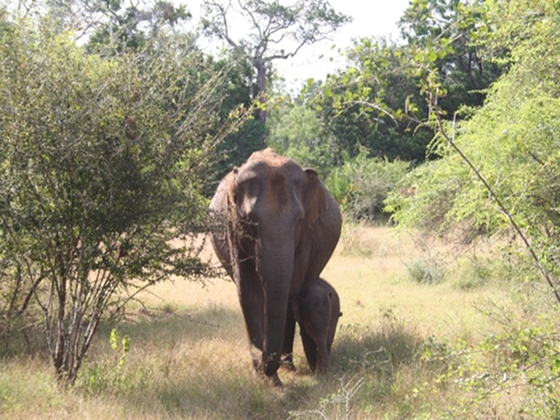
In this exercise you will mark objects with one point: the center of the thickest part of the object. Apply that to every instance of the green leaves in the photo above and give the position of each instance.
(366, 104)
(360, 185)
(297, 132)
(510, 144)
(101, 161)
(121, 26)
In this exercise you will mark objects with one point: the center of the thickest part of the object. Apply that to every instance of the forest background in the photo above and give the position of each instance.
(116, 126)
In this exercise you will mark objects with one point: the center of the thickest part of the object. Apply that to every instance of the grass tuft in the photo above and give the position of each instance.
(426, 271)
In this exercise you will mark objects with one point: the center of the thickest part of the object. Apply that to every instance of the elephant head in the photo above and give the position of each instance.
(282, 228)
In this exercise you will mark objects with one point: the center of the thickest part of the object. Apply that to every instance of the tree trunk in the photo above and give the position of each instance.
(261, 94)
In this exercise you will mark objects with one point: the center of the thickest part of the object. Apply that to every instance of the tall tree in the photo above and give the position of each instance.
(375, 103)
(273, 31)
(448, 29)
(119, 24)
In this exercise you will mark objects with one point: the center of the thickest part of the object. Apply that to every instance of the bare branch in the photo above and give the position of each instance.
(251, 16)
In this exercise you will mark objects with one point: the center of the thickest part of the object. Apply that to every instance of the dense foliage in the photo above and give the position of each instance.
(298, 132)
(101, 161)
(448, 31)
(378, 100)
(376, 103)
(499, 170)
(362, 184)
(512, 140)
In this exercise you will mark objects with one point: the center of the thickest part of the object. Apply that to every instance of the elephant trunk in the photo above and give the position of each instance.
(276, 270)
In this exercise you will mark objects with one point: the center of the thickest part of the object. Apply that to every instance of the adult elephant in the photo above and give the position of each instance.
(278, 227)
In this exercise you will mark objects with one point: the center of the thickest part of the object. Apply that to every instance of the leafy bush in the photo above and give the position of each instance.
(101, 161)
(297, 132)
(426, 271)
(518, 362)
(512, 141)
(499, 173)
(110, 375)
(361, 184)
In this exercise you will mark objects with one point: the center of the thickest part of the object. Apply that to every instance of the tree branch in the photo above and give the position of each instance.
(502, 207)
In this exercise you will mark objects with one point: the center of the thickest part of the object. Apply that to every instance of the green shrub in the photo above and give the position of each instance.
(101, 166)
(362, 184)
(472, 273)
(426, 271)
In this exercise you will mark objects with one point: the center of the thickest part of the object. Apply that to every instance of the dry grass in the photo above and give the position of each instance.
(189, 358)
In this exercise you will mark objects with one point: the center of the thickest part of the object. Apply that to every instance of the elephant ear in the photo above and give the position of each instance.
(231, 190)
(315, 201)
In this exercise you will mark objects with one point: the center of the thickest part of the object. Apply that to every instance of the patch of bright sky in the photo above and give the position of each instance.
(370, 18)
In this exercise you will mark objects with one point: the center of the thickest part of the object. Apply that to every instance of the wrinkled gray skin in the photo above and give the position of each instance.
(316, 310)
(277, 228)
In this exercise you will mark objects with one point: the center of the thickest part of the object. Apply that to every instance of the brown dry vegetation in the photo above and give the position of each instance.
(189, 358)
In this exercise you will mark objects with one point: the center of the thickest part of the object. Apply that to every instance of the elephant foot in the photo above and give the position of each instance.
(257, 367)
(275, 381)
(289, 366)
(287, 363)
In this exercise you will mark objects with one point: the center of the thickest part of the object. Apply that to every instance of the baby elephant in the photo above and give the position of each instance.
(317, 309)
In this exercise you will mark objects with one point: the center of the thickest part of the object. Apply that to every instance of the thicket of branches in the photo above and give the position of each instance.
(101, 166)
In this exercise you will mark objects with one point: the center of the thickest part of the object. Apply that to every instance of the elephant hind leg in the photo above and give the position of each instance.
(287, 362)
(323, 357)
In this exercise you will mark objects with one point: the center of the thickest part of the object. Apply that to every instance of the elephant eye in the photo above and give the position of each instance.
(247, 187)
(297, 184)
(253, 188)
(247, 191)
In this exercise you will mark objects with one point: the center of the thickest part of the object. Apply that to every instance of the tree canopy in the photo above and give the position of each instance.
(273, 31)
(512, 140)
(101, 168)
(377, 101)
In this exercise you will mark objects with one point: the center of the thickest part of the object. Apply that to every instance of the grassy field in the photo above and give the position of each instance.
(189, 357)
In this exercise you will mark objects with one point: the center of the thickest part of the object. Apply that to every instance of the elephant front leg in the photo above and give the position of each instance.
(275, 325)
(288, 346)
(250, 295)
